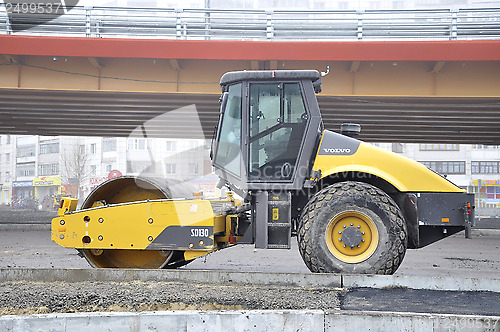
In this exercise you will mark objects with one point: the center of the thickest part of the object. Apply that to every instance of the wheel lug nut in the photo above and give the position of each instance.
(344, 226)
(344, 245)
(352, 224)
(340, 239)
(362, 240)
(351, 248)
(363, 233)
(359, 226)
(340, 232)
(359, 246)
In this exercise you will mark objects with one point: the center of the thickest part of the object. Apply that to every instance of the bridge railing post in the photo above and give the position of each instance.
(88, 21)
(97, 29)
(207, 24)
(8, 27)
(178, 23)
(454, 24)
(360, 24)
(269, 25)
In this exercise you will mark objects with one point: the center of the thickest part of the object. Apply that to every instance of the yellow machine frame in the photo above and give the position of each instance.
(188, 225)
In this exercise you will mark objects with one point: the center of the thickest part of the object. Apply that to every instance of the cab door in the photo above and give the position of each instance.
(277, 125)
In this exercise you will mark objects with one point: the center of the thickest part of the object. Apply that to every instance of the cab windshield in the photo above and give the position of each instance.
(228, 155)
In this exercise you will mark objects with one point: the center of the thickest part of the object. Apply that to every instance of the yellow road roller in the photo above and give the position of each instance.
(353, 207)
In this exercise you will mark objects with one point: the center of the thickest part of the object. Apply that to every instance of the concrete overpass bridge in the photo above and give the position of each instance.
(425, 76)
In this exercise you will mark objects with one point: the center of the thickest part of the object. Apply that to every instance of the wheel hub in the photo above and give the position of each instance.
(352, 236)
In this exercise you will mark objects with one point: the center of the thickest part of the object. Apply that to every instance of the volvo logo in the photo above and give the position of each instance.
(337, 150)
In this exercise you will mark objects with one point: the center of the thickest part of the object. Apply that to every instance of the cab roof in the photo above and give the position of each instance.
(269, 75)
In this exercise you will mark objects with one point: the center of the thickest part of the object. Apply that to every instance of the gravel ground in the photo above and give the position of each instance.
(23, 297)
(454, 256)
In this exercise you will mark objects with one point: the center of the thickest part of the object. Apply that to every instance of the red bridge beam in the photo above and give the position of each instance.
(473, 50)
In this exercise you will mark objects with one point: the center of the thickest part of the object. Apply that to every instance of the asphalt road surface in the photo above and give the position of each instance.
(454, 256)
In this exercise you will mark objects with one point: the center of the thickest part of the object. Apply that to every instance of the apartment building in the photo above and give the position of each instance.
(35, 170)
(7, 167)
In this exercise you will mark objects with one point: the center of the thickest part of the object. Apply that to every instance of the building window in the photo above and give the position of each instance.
(439, 147)
(93, 169)
(7, 176)
(26, 170)
(475, 167)
(485, 167)
(0, 158)
(446, 167)
(481, 146)
(171, 145)
(137, 166)
(195, 144)
(193, 169)
(486, 194)
(26, 151)
(8, 139)
(492, 192)
(81, 149)
(170, 168)
(397, 147)
(48, 169)
(139, 143)
(108, 144)
(49, 148)
(93, 148)
(109, 168)
(7, 157)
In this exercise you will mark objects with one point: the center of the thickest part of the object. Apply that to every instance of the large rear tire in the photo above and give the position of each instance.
(352, 227)
(132, 189)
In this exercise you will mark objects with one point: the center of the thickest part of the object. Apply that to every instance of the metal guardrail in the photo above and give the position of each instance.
(198, 24)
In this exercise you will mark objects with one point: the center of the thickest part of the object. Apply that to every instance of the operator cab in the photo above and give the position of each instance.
(268, 127)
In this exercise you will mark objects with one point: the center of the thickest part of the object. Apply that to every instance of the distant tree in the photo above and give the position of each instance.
(75, 162)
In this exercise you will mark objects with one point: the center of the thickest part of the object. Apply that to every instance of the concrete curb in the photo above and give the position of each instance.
(406, 321)
(479, 232)
(324, 280)
(418, 282)
(255, 320)
(485, 232)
